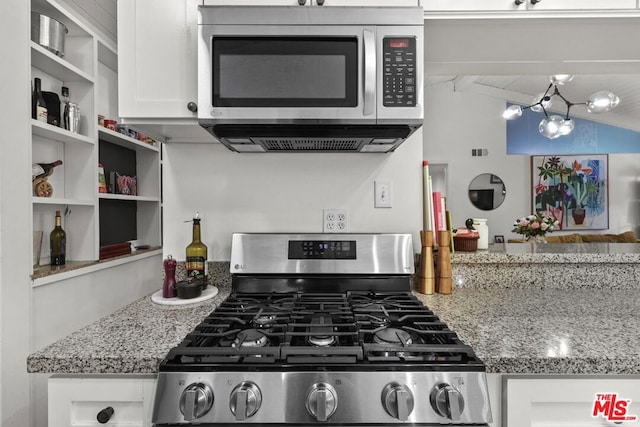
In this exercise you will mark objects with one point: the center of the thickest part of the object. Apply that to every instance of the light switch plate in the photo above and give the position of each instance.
(382, 191)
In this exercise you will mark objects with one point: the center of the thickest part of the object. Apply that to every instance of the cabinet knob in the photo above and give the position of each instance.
(302, 2)
(192, 106)
(320, 2)
(105, 415)
(518, 2)
(535, 1)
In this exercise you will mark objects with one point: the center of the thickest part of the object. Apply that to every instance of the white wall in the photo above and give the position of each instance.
(456, 122)
(15, 217)
(275, 192)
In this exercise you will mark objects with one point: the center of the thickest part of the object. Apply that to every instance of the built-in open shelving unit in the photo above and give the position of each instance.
(89, 69)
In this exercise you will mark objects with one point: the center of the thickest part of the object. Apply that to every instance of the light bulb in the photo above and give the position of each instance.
(512, 112)
(567, 126)
(545, 103)
(602, 101)
(560, 79)
(550, 126)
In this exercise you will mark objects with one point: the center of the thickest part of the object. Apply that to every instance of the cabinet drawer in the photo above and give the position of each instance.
(75, 401)
(564, 401)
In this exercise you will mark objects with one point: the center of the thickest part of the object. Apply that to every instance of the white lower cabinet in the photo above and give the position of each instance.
(76, 401)
(526, 5)
(568, 401)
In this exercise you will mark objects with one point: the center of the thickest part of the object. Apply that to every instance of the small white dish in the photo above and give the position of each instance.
(208, 293)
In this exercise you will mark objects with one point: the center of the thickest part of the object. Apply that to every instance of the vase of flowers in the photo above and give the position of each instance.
(534, 227)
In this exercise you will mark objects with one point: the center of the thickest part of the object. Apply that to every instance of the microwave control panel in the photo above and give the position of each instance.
(399, 82)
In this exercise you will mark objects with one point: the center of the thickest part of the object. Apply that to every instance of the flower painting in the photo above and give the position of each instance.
(572, 189)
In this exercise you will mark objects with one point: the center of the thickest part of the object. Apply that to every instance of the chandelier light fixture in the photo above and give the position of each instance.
(554, 126)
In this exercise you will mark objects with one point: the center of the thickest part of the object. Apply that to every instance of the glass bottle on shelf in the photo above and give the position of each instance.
(58, 243)
(38, 105)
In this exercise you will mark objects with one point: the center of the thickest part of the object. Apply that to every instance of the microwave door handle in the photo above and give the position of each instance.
(369, 80)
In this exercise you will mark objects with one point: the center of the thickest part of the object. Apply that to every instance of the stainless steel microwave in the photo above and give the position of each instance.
(313, 79)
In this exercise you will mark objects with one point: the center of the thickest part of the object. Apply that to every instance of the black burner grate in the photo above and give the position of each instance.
(354, 329)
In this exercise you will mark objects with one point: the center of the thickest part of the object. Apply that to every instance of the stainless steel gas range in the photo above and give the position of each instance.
(322, 329)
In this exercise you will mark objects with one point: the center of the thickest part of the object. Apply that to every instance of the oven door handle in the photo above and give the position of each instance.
(369, 78)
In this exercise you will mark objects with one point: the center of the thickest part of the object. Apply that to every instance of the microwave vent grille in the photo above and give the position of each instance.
(311, 144)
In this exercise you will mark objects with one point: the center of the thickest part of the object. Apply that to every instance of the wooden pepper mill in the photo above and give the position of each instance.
(426, 277)
(444, 280)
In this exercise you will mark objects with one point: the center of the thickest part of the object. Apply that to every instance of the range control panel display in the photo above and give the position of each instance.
(322, 249)
(399, 79)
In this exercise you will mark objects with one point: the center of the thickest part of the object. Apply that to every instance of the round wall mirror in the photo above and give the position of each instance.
(487, 191)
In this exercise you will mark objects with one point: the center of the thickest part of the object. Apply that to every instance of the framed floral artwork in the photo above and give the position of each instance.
(572, 189)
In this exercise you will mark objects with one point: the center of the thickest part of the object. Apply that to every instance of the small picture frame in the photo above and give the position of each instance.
(498, 238)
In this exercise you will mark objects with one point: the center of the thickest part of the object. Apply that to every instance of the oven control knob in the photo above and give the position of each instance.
(322, 401)
(196, 401)
(397, 400)
(245, 400)
(447, 401)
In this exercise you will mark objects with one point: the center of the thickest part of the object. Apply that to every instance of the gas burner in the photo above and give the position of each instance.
(393, 336)
(322, 341)
(321, 331)
(250, 338)
(263, 321)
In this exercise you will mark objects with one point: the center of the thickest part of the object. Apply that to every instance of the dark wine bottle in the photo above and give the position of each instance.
(197, 255)
(58, 243)
(38, 105)
(39, 170)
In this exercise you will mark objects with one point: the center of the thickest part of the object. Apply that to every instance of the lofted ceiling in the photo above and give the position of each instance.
(522, 90)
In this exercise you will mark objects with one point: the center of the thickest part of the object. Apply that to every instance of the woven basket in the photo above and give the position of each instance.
(465, 243)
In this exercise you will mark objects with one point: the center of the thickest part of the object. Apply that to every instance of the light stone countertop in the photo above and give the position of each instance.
(132, 340)
(524, 327)
(541, 331)
(536, 253)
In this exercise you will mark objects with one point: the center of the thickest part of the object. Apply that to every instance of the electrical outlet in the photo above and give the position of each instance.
(382, 191)
(334, 221)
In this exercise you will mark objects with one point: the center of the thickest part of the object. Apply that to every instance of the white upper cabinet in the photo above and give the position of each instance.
(157, 52)
(157, 58)
(508, 5)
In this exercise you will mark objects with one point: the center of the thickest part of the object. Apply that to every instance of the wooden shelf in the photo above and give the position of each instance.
(111, 196)
(57, 67)
(61, 201)
(55, 133)
(125, 141)
(45, 275)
